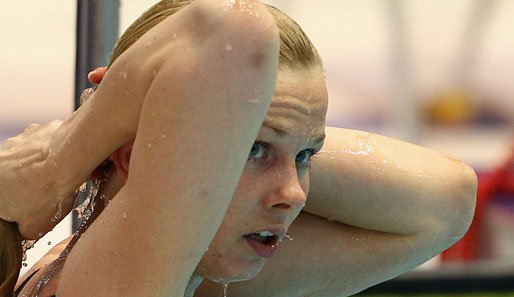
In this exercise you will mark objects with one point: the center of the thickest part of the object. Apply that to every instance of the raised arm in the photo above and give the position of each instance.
(207, 85)
(384, 184)
(399, 204)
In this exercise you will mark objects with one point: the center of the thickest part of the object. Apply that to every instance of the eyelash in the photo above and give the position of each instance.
(303, 165)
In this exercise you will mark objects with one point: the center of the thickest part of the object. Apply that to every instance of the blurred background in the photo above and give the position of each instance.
(432, 72)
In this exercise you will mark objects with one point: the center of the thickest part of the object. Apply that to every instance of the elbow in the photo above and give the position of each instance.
(465, 198)
(246, 23)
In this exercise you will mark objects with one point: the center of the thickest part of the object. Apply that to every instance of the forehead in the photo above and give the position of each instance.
(299, 103)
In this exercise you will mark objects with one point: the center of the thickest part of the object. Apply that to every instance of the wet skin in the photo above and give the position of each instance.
(275, 182)
(273, 186)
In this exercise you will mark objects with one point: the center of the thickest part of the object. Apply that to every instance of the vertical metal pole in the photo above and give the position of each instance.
(471, 44)
(97, 32)
(404, 118)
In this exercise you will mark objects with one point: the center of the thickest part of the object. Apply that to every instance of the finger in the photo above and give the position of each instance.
(86, 94)
(96, 75)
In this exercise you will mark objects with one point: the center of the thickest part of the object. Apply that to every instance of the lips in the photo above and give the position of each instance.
(263, 250)
(265, 246)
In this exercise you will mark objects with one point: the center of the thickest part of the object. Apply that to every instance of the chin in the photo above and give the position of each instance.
(229, 269)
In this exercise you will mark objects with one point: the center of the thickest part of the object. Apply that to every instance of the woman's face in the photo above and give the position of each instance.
(275, 182)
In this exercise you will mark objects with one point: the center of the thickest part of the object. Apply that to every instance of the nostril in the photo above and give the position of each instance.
(282, 206)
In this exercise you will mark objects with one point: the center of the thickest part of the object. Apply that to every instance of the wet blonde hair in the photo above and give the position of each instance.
(296, 50)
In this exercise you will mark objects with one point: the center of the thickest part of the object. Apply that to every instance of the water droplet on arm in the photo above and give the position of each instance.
(59, 211)
(82, 188)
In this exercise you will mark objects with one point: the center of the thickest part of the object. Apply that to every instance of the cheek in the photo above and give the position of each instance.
(244, 202)
(248, 187)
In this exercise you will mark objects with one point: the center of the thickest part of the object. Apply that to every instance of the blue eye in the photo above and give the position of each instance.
(258, 155)
(257, 150)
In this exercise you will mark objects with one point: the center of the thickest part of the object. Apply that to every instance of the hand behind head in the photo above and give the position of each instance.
(94, 77)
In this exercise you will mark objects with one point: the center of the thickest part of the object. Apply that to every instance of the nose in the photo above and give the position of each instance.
(287, 193)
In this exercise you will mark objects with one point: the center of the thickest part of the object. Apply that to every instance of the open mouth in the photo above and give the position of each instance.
(263, 237)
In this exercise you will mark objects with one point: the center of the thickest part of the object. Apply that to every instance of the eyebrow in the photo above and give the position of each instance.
(282, 133)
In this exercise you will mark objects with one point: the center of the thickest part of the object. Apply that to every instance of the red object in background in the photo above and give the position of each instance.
(499, 181)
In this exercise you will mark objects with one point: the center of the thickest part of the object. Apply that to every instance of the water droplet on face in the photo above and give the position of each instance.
(288, 237)
(49, 150)
(124, 215)
(20, 165)
(228, 47)
(55, 164)
(174, 35)
(149, 145)
(225, 289)
(163, 136)
(148, 44)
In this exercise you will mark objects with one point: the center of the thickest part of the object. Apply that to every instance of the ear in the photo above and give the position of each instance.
(121, 159)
